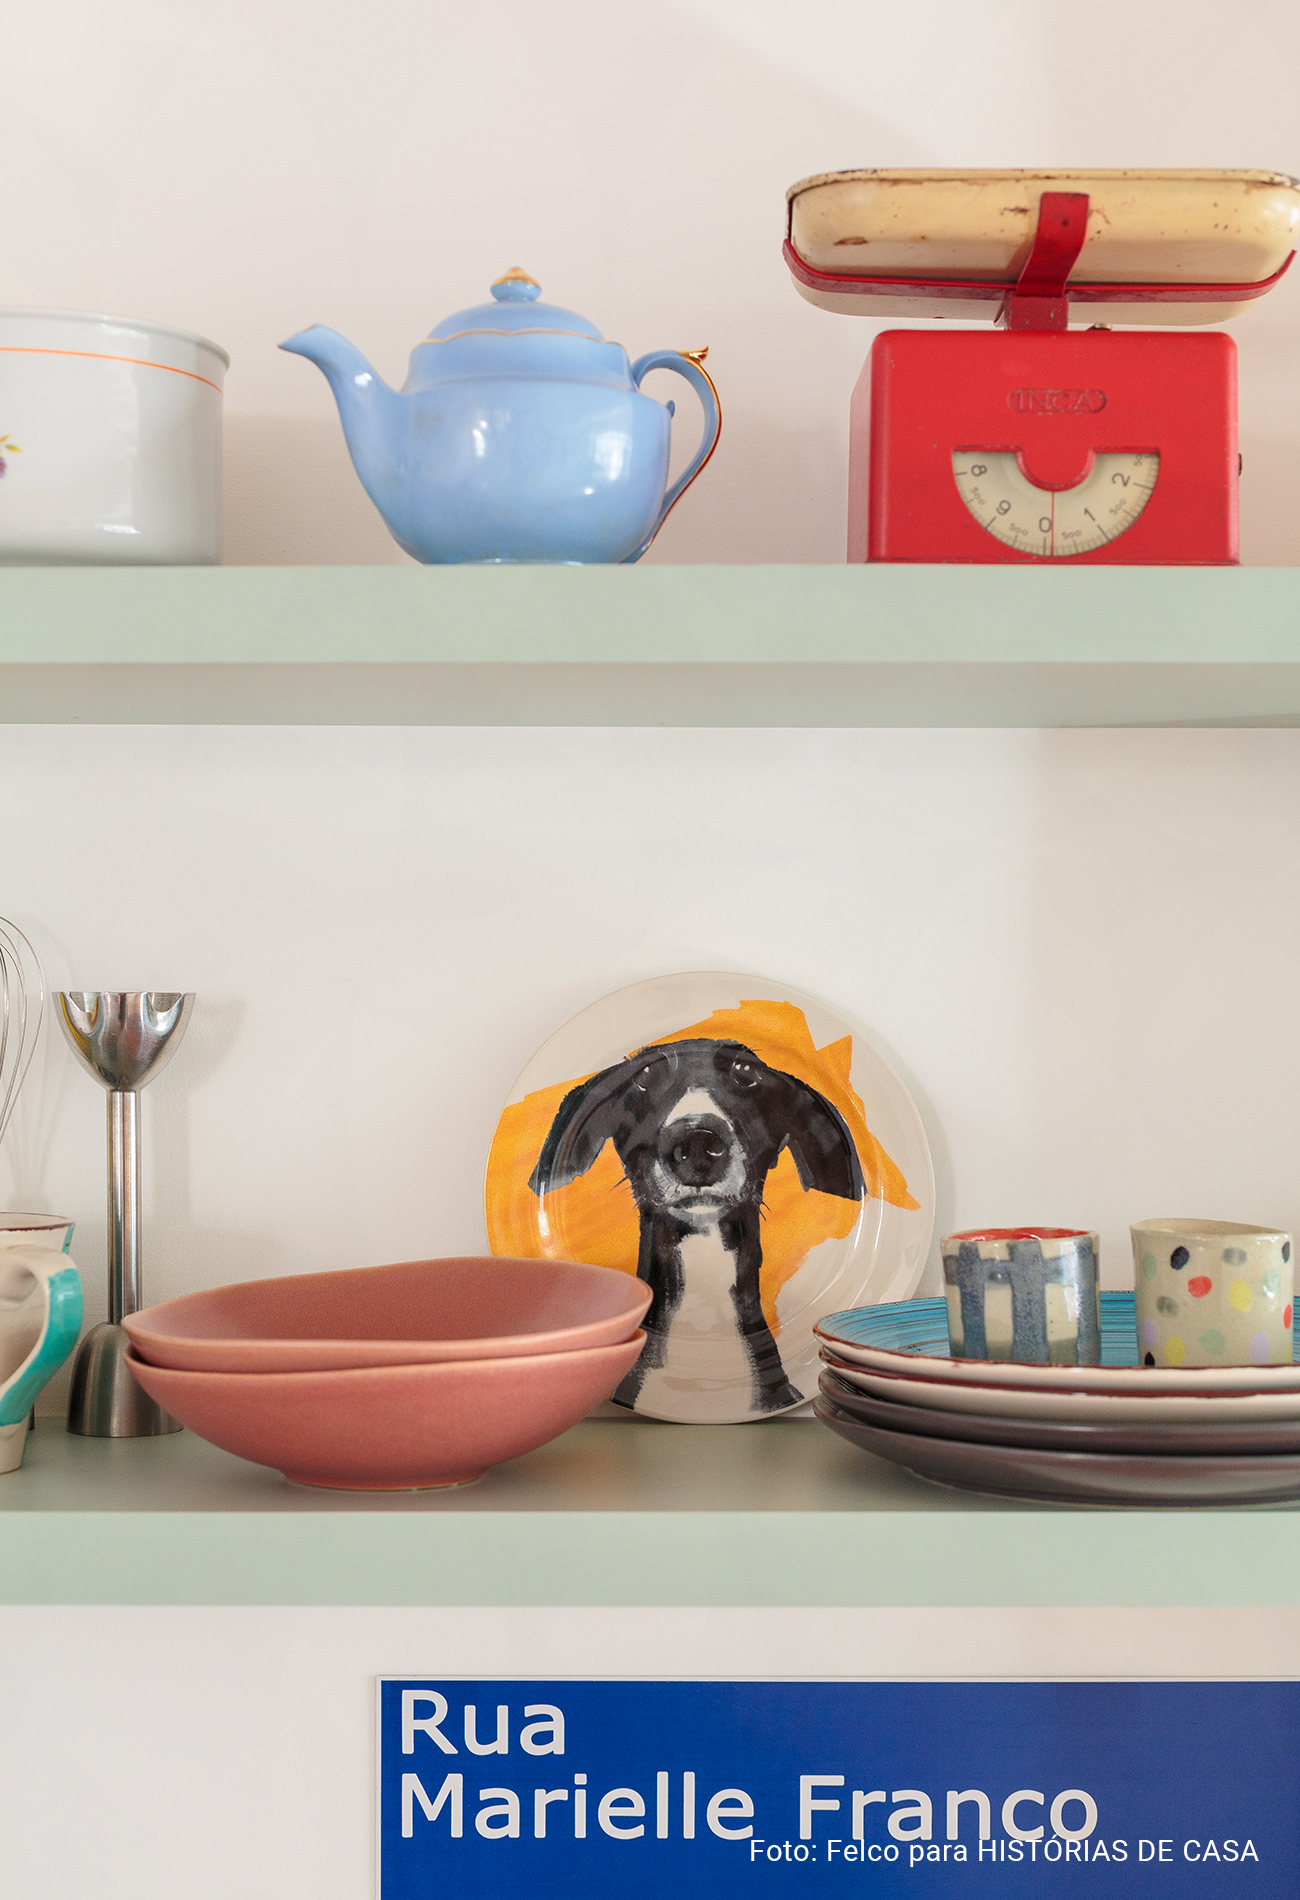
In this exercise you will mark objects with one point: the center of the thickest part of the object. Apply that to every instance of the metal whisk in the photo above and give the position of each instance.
(22, 1009)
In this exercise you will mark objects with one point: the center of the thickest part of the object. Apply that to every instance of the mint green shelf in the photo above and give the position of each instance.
(646, 646)
(611, 1513)
(630, 1512)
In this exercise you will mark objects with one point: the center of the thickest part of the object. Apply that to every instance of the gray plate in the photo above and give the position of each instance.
(1076, 1477)
(981, 1428)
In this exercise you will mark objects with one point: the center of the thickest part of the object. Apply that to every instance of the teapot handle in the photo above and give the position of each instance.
(690, 364)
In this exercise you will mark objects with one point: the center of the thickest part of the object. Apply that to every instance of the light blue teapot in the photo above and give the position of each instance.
(519, 435)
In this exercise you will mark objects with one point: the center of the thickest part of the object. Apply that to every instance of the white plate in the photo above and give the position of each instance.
(910, 1337)
(1070, 1407)
(807, 1180)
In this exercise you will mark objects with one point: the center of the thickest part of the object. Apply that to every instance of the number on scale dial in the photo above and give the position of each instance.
(1054, 521)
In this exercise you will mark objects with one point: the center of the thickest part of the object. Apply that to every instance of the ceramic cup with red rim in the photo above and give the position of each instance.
(1028, 1294)
(36, 1230)
(1212, 1293)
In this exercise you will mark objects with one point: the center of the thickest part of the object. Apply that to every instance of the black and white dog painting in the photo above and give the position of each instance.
(698, 1127)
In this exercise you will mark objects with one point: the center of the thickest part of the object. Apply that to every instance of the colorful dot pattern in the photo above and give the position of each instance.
(1237, 1296)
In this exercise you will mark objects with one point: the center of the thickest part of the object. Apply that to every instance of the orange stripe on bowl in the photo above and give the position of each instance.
(102, 356)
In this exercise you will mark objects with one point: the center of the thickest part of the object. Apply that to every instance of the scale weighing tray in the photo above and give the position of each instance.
(1161, 247)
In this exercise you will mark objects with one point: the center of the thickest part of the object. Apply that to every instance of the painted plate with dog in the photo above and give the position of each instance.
(744, 1149)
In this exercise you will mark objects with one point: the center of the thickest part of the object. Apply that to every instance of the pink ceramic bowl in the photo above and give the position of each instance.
(421, 1312)
(391, 1428)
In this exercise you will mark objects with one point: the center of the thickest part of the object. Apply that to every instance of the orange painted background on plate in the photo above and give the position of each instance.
(594, 1218)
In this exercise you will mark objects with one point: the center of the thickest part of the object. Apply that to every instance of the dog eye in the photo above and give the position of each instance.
(745, 1075)
(655, 1073)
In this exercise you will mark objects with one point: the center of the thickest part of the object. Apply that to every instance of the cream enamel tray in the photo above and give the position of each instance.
(1156, 228)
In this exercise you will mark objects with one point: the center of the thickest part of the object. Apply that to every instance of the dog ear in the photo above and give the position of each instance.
(584, 1122)
(819, 1141)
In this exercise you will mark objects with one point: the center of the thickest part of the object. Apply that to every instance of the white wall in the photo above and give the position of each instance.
(246, 167)
(1077, 946)
(152, 1753)
(1074, 944)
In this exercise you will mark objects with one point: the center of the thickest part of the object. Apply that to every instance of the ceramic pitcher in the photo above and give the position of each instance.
(40, 1318)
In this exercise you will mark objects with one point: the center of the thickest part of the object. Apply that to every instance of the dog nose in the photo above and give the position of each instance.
(698, 1157)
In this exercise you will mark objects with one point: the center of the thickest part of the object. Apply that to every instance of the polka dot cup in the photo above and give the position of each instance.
(1212, 1293)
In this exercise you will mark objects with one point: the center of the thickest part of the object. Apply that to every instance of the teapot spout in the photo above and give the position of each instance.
(371, 412)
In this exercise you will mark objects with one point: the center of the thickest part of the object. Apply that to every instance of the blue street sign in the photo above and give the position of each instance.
(565, 1790)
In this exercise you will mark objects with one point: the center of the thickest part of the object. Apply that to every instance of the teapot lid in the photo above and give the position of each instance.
(515, 307)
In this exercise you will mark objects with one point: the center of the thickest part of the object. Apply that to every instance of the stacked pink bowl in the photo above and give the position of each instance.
(392, 1378)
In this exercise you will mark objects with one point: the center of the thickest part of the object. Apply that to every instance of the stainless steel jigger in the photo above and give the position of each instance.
(123, 1038)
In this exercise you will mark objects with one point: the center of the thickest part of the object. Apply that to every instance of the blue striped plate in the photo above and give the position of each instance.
(911, 1337)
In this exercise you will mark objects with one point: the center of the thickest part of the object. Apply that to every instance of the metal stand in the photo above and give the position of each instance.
(122, 1038)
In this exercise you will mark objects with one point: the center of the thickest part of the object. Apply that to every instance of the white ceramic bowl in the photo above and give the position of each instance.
(110, 442)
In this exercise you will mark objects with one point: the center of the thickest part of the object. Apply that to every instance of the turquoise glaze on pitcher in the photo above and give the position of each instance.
(40, 1318)
(520, 434)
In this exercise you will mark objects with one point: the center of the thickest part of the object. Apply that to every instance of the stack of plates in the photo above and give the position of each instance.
(1117, 1433)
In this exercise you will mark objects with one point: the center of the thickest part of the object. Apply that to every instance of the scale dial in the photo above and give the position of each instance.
(1054, 521)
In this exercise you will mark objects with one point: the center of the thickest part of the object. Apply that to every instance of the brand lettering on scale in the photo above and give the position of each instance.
(430, 1734)
(1056, 402)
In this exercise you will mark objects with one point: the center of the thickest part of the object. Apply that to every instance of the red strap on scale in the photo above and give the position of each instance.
(1038, 301)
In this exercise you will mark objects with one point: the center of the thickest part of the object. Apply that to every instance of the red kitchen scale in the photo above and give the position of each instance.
(1030, 441)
